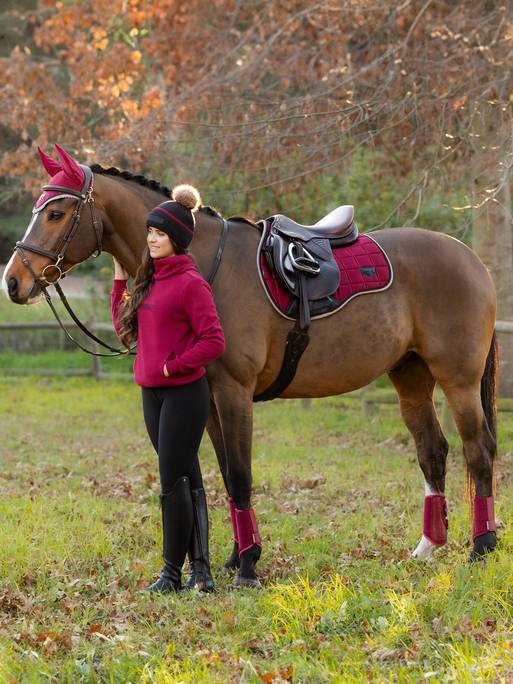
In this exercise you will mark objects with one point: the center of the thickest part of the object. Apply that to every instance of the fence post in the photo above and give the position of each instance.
(367, 406)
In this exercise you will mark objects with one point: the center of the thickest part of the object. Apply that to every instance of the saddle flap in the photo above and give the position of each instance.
(282, 263)
(324, 283)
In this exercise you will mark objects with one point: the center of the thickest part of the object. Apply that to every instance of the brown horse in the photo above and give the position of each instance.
(434, 324)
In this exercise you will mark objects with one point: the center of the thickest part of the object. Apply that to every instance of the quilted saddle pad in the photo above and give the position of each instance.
(364, 268)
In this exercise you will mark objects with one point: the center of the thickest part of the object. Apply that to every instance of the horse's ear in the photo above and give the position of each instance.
(51, 166)
(70, 166)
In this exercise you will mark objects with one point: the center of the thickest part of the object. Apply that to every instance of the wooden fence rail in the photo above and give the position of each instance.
(95, 368)
(369, 396)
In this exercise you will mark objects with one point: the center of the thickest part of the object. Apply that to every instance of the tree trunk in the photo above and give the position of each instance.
(491, 218)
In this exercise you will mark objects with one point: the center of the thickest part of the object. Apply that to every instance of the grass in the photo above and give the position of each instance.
(338, 498)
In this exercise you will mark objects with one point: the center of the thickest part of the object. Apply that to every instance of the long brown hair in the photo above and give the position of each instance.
(140, 289)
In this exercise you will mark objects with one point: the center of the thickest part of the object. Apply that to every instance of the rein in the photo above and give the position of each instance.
(85, 196)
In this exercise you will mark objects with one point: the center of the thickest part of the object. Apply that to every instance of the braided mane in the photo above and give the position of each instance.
(145, 182)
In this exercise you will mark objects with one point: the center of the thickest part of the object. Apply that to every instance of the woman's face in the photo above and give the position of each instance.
(159, 244)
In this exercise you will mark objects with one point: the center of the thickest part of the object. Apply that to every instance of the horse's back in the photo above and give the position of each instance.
(449, 292)
(436, 263)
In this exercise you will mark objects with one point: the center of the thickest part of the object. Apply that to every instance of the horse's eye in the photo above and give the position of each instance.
(55, 215)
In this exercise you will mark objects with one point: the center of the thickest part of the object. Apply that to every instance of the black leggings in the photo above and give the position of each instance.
(175, 418)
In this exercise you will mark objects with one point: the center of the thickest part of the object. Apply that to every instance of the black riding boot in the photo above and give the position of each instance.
(200, 577)
(177, 522)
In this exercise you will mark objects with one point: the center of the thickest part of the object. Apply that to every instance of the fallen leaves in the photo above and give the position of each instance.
(282, 674)
(481, 631)
(386, 654)
(14, 602)
(295, 485)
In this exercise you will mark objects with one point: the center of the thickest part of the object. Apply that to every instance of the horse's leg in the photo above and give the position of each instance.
(216, 435)
(415, 384)
(479, 446)
(235, 408)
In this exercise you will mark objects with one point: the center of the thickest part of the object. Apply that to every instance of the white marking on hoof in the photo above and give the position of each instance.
(428, 489)
(425, 550)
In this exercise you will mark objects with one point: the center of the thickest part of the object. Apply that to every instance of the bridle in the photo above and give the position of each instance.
(84, 196)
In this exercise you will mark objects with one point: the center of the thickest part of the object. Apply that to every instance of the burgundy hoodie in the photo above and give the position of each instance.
(177, 324)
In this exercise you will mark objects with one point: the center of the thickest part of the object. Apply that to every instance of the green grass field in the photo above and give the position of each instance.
(339, 501)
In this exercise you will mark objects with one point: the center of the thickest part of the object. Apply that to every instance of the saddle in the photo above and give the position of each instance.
(337, 225)
(302, 257)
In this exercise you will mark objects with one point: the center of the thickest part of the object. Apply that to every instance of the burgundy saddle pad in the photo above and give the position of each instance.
(364, 268)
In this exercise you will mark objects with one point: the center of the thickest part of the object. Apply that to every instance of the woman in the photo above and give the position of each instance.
(172, 315)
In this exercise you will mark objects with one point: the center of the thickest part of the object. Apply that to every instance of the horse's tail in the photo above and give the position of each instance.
(488, 399)
(489, 386)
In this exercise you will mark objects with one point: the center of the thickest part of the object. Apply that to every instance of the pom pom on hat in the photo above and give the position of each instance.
(187, 195)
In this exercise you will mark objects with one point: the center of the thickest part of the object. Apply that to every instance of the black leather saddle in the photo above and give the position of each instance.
(337, 225)
(302, 257)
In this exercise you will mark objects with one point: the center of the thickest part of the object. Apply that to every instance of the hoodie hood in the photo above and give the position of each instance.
(173, 265)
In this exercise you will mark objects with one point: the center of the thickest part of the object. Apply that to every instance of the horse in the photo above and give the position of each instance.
(433, 325)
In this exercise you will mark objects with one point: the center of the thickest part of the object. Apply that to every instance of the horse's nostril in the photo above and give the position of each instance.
(12, 286)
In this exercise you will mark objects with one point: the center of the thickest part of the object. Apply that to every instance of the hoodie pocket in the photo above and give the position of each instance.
(166, 361)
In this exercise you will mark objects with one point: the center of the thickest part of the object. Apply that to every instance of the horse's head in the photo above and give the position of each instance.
(64, 231)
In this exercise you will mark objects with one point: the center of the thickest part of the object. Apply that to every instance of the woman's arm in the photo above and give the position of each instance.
(202, 313)
(121, 276)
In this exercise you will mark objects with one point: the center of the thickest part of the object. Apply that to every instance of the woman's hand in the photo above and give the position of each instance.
(120, 272)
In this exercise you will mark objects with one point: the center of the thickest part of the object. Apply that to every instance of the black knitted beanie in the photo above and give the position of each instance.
(176, 217)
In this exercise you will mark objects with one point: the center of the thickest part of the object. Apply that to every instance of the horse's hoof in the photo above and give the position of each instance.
(425, 550)
(246, 583)
(483, 545)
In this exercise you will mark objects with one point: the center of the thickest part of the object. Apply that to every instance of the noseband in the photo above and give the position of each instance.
(84, 196)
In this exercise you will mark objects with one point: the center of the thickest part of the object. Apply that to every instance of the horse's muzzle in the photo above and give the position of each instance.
(13, 292)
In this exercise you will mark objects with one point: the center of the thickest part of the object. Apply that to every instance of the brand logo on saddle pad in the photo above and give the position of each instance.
(368, 270)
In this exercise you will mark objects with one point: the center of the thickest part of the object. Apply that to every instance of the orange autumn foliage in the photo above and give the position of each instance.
(275, 90)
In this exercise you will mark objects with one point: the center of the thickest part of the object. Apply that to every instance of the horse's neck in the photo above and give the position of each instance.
(125, 206)
(240, 245)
